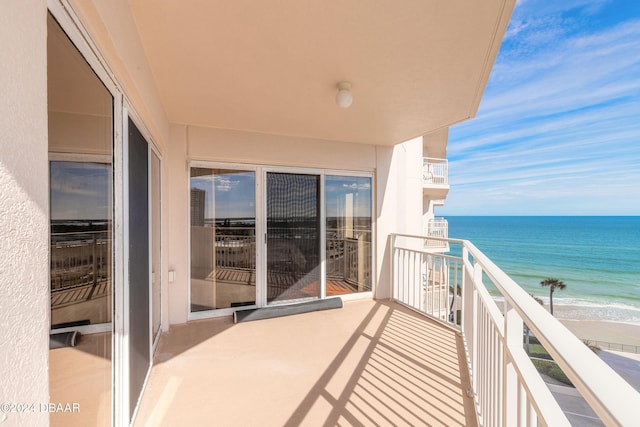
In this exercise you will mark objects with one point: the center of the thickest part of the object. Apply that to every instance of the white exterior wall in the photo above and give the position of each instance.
(177, 222)
(398, 201)
(24, 210)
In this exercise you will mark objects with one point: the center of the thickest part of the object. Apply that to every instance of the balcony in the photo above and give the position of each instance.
(442, 352)
(435, 177)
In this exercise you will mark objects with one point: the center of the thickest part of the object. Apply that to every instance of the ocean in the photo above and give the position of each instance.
(597, 257)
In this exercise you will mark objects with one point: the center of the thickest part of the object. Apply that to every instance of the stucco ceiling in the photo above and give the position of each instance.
(272, 66)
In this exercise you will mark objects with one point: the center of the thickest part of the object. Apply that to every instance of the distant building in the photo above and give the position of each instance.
(197, 207)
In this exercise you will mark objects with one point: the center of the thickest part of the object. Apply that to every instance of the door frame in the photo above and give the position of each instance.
(321, 233)
(63, 13)
(206, 314)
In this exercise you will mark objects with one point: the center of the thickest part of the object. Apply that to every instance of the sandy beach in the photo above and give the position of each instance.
(606, 331)
(595, 329)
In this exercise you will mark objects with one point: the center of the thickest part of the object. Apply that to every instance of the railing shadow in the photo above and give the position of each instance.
(410, 372)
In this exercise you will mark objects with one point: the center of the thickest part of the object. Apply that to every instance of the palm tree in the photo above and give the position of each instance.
(553, 284)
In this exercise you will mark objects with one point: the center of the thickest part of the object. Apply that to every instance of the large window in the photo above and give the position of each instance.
(80, 199)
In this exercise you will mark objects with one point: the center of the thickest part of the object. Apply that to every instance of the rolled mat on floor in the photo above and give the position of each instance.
(286, 310)
(64, 339)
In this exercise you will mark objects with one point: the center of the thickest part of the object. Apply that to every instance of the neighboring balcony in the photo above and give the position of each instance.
(435, 177)
(437, 231)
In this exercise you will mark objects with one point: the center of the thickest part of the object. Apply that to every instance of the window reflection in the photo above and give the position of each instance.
(348, 255)
(80, 244)
(223, 244)
(80, 116)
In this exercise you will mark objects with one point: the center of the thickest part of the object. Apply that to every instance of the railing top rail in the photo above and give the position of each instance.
(444, 239)
(441, 221)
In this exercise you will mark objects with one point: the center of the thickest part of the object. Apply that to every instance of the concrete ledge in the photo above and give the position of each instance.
(286, 310)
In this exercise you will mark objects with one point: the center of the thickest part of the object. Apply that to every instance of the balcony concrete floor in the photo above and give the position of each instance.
(369, 363)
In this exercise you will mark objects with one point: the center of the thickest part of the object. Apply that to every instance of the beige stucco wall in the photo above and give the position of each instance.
(435, 143)
(247, 147)
(177, 220)
(24, 207)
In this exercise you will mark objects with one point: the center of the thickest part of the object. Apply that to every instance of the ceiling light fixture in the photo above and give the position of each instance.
(344, 99)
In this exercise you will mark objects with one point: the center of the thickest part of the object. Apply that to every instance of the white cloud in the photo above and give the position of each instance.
(559, 121)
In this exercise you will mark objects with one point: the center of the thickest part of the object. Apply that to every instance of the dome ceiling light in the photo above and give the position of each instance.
(344, 99)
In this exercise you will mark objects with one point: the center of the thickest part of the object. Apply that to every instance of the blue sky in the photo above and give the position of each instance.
(558, 129)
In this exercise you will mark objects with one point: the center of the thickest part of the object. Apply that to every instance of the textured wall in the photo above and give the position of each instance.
(24, 211)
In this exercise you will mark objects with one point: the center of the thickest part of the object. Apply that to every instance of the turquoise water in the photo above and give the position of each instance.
(597, 257)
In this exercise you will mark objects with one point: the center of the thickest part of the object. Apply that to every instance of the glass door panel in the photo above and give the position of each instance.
(80, 115)
(293, 236)
(223, 238)
(348, 244)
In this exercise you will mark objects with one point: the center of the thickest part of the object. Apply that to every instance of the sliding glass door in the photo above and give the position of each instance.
(264, 236)
(293, 236)
(81, 142)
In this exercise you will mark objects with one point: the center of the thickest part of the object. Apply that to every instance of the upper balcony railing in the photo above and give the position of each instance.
(435, 171)
(439, 228)
(507, 389)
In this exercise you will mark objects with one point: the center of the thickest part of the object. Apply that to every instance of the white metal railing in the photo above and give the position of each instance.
(508, 390)
(435, 171)
(439, 228)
